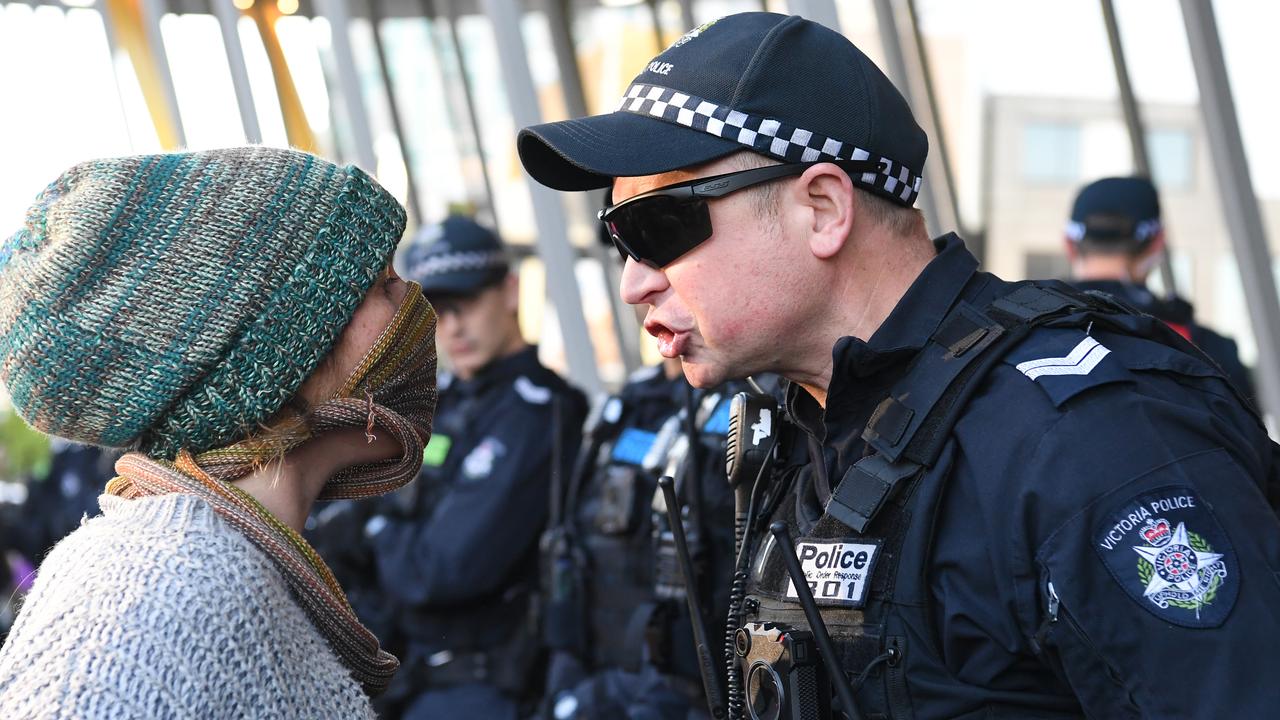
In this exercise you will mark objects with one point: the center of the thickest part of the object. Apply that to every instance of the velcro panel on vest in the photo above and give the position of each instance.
(957, 343)
(1033, 302)
(864, 489)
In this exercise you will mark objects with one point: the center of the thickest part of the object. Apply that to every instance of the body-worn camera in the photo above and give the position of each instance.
(783, 678)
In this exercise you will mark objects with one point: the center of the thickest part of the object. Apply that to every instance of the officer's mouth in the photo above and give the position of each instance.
(671, 344)
(459, 350)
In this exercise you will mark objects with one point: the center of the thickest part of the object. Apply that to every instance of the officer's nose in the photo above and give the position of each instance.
(641, 282)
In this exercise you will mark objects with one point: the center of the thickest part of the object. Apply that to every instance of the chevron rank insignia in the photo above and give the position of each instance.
(1066, 362)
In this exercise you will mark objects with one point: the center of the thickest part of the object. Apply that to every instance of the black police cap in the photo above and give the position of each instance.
(1116, 210)
(780, 86)
(457, 257)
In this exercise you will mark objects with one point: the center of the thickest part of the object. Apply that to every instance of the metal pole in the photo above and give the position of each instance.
(1239, 203)
(468, 99)
(892, 43)
(686, 14)
(938, 136)
(560, 19)
(626, 330)
(335, 11)
(819, 11)
(397, 122)
(152, 11)
(113, 47)
(228, 22)
(553, 237)
(656, 16)
(1133, 121)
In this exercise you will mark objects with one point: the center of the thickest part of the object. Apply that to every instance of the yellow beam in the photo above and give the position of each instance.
(296, 127)
(130, 31)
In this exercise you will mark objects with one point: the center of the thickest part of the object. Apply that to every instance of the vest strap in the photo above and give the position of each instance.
(865, 487)
(909, 428)
(961, 340)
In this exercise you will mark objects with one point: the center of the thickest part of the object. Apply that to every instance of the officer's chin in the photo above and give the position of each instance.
(701, 375)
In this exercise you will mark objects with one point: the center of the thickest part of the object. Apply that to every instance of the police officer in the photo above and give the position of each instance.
(458, 553)
(623, 647)
(37, 514)
(56, 504)
(1021, 500)
(1114, 239)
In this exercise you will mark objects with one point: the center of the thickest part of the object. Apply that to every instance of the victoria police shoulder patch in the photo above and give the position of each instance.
(1170, 554)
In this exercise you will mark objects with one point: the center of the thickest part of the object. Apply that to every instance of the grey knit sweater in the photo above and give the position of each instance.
(159, 609)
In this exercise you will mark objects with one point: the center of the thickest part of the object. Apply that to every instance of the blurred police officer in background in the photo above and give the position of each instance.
(616, 616)
(456, 552)
(1021, 500)
(36, 514)
(1114, 240)
(56, 503)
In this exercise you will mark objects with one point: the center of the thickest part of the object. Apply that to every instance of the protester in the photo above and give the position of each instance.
(232, 317)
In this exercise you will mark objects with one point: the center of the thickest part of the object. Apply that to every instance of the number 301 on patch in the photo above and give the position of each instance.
(838, 571)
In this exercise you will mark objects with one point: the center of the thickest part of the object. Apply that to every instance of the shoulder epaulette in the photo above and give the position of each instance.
(531, 393)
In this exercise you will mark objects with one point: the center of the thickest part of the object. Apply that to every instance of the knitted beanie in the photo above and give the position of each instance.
(177, 301)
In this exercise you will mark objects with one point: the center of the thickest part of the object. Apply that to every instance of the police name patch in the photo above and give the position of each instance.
(839, 572)
(1168, 552)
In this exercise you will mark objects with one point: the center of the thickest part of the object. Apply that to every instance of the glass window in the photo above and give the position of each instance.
(1171, 154)
(436, 129)
(1248, 43)
(202, 81)
(262, 84)
(300, 41)
(1184, 273)
(62, 101)
(1051, 152)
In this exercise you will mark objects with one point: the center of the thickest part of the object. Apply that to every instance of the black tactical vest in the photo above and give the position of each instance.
(870, 549)
(631, 608)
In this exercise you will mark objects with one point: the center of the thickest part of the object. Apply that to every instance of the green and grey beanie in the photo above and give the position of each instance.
(179, 300)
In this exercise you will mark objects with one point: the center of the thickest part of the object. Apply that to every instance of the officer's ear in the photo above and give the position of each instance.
(1073, 252)
(1147, 260)
(511, 292)
(1155, 246)
(824, 208)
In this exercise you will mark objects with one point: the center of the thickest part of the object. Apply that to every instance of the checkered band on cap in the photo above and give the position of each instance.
(458, 262)
(1143, 231)
(768, 136)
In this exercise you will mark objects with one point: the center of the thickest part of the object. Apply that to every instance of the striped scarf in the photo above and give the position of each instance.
(392, 388)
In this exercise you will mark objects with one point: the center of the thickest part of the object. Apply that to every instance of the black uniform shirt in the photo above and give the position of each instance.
(1102, 501)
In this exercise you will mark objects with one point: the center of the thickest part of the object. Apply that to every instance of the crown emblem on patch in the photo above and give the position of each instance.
(1157, 532)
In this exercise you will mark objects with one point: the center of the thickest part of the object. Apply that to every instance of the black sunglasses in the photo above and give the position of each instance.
(657, 227)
